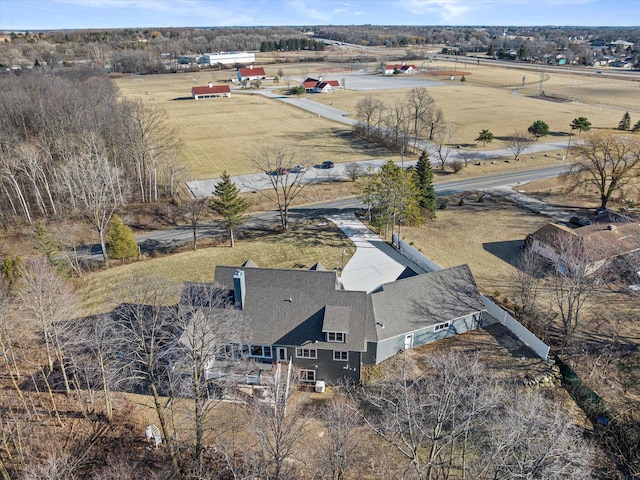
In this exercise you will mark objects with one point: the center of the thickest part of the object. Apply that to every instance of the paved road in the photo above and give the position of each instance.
(182, 235)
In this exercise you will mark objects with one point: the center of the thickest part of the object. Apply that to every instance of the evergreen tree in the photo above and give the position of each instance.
(485, 136)
(625, 123)
(539, 129)
(581, 124)
(492, 51)
(424, 180)
(392, 196)
(121, 243)
(636, 127)
(44, 243)
(47, 247)
(228, 204)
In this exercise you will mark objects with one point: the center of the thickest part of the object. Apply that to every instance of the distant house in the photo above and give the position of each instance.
(304, 316)
(251, 73)
(311, 85)
(211, 91)
(402, 68)
(595, 244)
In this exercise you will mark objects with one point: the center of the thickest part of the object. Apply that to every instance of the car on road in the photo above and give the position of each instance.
(297, 169)
(327, 164)
(278, 171)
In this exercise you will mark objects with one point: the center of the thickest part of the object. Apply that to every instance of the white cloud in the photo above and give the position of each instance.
(446, 9)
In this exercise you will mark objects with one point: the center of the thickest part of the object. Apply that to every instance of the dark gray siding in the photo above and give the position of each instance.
(369, 357)
(329, 370)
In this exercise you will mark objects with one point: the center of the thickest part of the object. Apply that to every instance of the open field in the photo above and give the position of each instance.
(219, 134)
(305, 244)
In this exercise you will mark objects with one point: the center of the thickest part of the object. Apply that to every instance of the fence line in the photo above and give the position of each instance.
(529, 339)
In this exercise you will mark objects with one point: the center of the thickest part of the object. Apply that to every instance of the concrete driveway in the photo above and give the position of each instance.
(375, 261)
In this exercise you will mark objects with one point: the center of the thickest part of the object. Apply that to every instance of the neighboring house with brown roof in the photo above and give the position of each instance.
(595, 244)
(400, 68)
(211, 91)
(251, 73)
(329, 333)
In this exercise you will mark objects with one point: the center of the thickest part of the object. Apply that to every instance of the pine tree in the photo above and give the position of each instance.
(424, 180)
(228, 204)
(121, 243)
(47, 247)
(636, 127)
(625, 123)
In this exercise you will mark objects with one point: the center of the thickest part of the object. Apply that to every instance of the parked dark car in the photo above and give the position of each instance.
(297, 169)
(580, 221)
(327, 164)
(278, 171)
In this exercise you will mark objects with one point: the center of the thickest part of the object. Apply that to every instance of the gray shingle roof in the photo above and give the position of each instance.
(333, 320)
(287, 307)
(295, 307)
(413, 303)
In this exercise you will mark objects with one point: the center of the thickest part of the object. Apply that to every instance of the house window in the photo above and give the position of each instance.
(263, 351)
(337, 337)
(440, 326)
(306, 353)
(341, 356)
(307, 375)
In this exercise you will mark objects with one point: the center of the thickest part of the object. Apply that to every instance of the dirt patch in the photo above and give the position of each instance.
(445, 73)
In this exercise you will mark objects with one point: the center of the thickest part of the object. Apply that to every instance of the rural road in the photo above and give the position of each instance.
(172, 238)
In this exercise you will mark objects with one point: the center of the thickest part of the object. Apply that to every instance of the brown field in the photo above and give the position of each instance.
(486, 235)
(219, 134)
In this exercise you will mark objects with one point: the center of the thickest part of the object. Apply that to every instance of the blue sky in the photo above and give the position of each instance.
(70, 14)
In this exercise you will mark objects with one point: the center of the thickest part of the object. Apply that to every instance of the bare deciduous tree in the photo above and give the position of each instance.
(370, 112)
(354, 170)
(278, 430)
(527, 279)
(95, 185)
(279, 162)
(50, 302)
(420, 104)
(605, 162)
(518, 142)
(194, 210)
(206, 319)
(145, 323)
(443, 143)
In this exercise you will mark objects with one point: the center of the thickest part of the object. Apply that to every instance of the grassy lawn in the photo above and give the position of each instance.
(486, 235)
(305, 244)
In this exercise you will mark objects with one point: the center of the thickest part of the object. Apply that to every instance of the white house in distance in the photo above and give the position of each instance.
(311, 85)
(211, 91)
(227, 58)
(251, 73)
(390, 69)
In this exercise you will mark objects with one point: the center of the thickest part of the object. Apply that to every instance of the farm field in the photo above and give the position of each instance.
(219, 134)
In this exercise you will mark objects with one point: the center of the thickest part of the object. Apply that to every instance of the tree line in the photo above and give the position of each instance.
(68, 146)
(291, 44)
